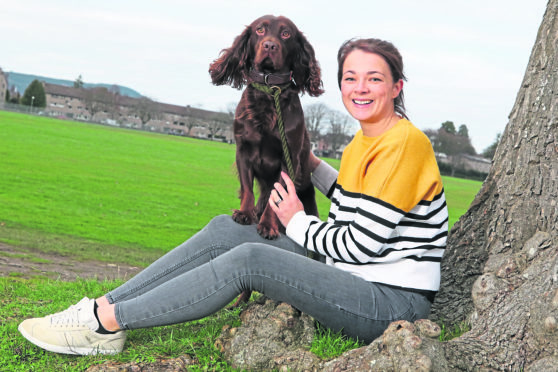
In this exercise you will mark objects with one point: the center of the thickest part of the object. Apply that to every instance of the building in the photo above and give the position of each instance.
(3, 86)
(104, 106)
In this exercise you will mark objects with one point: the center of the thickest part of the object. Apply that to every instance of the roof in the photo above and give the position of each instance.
(81, 93)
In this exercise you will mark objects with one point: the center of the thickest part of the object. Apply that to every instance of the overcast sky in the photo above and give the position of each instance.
(464, 60)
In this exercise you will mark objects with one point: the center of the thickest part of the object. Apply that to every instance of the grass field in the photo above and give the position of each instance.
(95, 192)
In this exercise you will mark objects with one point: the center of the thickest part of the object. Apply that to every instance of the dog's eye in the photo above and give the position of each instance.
(260, 30)
(285, 34)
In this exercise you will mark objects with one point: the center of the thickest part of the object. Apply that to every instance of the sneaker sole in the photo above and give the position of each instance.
(63, 349)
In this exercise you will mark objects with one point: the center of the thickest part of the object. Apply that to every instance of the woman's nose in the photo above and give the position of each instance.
(362, 85)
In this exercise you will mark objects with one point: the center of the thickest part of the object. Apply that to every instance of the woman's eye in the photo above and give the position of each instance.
(285, 34)
(260, 30)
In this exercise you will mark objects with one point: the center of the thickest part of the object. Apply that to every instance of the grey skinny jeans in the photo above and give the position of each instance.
(205, 273)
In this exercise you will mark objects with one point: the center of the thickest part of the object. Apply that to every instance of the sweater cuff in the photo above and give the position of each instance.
(324, 178)
(298, 227)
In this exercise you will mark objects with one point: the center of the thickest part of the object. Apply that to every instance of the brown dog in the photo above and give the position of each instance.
(270, 54)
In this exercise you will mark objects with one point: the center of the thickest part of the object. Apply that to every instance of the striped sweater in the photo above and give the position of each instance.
(388, 221)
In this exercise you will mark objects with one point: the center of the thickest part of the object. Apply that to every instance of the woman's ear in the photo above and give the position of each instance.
(397, 87)
(234, 63)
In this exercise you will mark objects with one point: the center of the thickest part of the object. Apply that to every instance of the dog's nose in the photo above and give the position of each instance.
(269, 45)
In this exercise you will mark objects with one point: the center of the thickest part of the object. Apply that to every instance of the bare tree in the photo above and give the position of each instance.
(146, 109)
(314, 117)
(96, 100)
(190, 122)
(339, 131)
(216, 126)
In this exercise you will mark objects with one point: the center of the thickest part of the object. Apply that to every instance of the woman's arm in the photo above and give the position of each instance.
(324, 176)
(314, 161)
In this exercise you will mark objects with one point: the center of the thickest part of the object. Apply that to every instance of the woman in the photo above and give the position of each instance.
(383, 240)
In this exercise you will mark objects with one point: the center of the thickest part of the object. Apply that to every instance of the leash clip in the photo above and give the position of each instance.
(276, 88)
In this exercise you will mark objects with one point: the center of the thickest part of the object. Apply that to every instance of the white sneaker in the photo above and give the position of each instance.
(72, 331)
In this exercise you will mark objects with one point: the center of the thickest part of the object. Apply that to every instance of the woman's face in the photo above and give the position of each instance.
(367, 87)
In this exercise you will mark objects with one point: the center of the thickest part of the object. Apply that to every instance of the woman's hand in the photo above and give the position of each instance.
(285, 203)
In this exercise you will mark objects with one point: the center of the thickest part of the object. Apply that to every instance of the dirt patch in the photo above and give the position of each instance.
(26, 263)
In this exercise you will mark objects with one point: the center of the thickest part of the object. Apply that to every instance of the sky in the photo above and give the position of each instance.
(464, 60)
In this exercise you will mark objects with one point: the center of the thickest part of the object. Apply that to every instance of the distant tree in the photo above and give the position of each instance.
(189, 119)
(463, 131)
(449, 141)
(96, 100)
(13, 95)
(190, 123)
(448, 126)
(217, 124)
(34, 95)
(339, 129)
(7, 96)
(314, 116)
(491, 150)
(78, 83)
(114, 106)
(453, 144)
(146, 109)
(114, 89)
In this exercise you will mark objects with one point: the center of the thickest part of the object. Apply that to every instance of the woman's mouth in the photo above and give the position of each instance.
(362, 101)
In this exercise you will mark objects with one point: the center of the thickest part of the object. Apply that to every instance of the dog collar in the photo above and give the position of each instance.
(270, 79)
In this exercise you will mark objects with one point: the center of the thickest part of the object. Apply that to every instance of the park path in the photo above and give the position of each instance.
(25, 263)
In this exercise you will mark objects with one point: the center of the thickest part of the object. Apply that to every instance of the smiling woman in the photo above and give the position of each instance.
(368, 94)
(370, 77)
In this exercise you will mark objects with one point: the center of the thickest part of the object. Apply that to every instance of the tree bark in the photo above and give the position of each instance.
(500, 271)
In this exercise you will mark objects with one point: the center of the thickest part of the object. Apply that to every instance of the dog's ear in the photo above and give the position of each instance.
(233, 64)
(306, 69)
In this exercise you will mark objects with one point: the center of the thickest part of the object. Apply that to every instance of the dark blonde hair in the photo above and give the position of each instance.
(384, 49)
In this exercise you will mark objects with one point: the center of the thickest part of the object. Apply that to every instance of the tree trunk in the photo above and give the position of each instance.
(500, 271)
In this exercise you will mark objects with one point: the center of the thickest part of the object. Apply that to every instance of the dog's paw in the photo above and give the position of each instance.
(243, 218)
(268, 232)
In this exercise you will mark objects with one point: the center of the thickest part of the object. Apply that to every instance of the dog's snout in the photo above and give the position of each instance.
(269, 45)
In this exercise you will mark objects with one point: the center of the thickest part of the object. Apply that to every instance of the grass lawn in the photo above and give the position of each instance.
(95, 192)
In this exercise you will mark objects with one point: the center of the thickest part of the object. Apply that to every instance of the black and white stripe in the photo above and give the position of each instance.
(365, 230)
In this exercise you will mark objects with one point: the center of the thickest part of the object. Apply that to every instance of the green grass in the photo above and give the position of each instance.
(28, 298)
(459, 196)
(328, 344)
(123, 189)
(118, 195)
(94, 192)
(106, 193)
(448, 333)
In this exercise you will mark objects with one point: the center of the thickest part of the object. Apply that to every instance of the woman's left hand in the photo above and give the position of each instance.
(285, 203)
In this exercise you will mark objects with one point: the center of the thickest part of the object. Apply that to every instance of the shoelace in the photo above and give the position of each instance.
(66, 317)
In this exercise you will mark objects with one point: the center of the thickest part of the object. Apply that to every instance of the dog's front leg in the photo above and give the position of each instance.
(246, 215)
(269, 225)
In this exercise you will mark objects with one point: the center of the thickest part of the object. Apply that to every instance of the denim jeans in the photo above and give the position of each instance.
(205, 273)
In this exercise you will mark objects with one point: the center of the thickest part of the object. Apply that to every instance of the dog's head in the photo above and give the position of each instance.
(269, 45)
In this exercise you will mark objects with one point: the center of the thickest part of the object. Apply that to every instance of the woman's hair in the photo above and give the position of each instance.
(384, 49)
